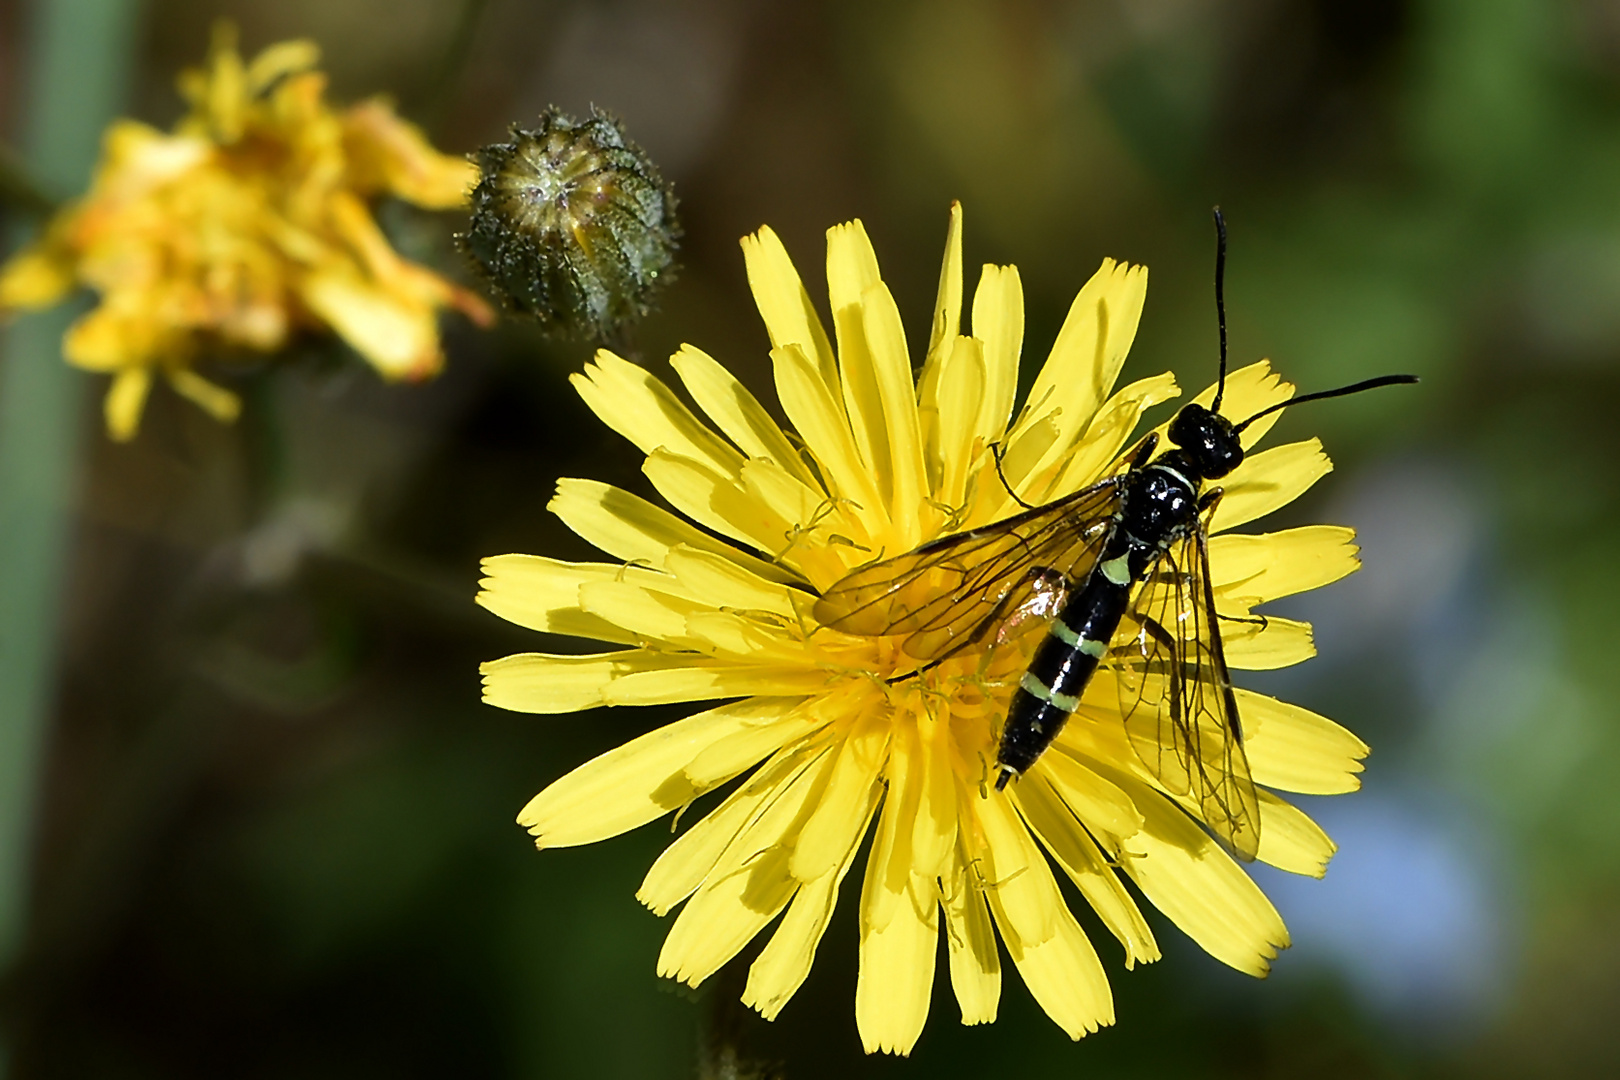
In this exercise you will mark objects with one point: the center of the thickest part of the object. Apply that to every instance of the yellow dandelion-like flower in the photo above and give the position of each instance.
(248, 221)
(879, 464)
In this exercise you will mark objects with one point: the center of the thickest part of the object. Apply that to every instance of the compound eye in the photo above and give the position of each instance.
(1222, 453)
(1191, 427)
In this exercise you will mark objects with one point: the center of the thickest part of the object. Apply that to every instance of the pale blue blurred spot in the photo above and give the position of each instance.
(1411, 915)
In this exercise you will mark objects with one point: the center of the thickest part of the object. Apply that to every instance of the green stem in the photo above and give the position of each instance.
(436, 106)
(80, 51)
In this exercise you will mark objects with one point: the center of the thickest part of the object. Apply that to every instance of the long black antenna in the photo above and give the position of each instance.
(1354, 388)
(1220, 301)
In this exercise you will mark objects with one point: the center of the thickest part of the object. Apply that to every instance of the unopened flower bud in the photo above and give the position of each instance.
(573, 225)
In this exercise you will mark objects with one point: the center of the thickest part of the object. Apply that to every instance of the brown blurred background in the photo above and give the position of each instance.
(273, 828)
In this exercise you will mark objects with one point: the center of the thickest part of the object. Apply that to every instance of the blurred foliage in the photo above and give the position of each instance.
(276, 838)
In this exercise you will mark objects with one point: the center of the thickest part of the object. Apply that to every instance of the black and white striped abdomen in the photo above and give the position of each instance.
(1160, 505)
(1063, 664)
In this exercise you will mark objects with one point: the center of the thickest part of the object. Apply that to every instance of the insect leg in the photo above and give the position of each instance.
(995, 452)
(1048, 588)
(1173, 666)
(1144, 451)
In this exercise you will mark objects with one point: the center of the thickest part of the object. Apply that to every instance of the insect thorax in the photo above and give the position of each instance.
(1161, 502)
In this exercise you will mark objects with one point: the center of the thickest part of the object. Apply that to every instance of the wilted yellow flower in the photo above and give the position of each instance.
(880, 464)
(247, 222)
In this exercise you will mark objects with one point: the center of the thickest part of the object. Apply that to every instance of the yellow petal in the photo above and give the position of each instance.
(1278, 643)
(891, 368)
(1269, 480)
(543, 594)
(716, 501)
(1021, 456)
(36, 277)
(1271, 565)
(126, 399)
(113, 340)
(853, 785)
(630, 528)
(896, 979)
(647, 614)
(960, 398)
(1290, 840)
(1013, 870)
(851, 268)
(737, 412)
(215, 400)
(641, 780)
(1186, 875)
(1107, 433)
(811, 529)
(1088, 353)
(1096, 801)
(948, 301)
(1059, 966)
(1065, 977)
(790, 318)
(398, 337)
(275, 62)
(546, 683)
(1065, 836)
(719, 678)
(889, 864)
(684, 865)
(748, 886)
(749, 745)
(1296, 750)
(385, 153)
(998, 321)
(818, 417)
(975, 958)
(783, 965)
(632, 402)
(725, 584)
(942, 337)
(225, 87)
(136, 159)
(746, 637)
(723, 916)
(933, 831)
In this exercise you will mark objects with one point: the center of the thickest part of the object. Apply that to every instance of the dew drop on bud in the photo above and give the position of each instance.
(573, 225)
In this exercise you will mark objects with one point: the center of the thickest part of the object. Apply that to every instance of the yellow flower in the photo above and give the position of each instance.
(246, 223)
(880, 464)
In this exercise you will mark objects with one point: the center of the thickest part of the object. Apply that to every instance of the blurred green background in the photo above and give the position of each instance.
(268, 822)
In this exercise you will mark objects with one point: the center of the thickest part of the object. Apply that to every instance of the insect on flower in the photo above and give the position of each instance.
(1121, 568)
(871, 754)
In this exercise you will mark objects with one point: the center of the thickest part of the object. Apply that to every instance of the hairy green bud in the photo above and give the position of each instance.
(573, 225)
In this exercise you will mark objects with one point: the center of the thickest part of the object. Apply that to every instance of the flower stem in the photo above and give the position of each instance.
(720, 1052)
(80, 52)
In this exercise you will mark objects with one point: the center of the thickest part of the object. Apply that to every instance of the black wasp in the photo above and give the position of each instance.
(1123, 568)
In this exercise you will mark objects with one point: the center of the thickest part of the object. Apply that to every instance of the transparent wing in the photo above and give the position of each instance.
(952, 591)
(1176, 693)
